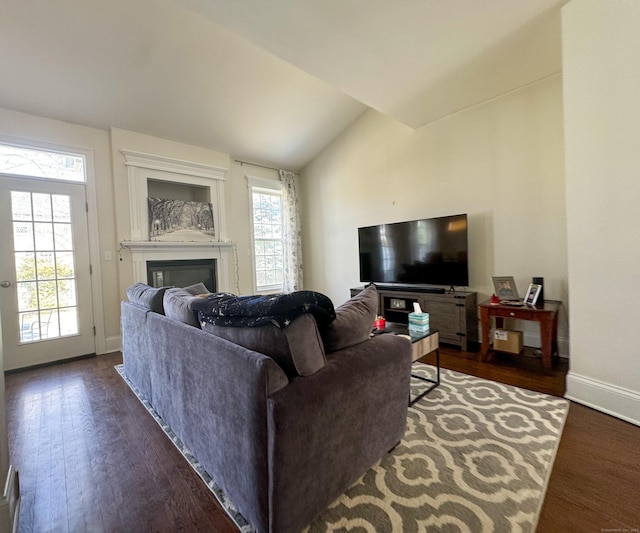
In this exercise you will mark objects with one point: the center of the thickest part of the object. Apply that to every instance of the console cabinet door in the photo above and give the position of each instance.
(443, 316)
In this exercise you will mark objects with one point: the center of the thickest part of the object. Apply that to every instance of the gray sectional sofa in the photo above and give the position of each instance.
(283, 434)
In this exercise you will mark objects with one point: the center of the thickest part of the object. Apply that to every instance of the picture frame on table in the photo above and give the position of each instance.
(505, 287)
(533, 292)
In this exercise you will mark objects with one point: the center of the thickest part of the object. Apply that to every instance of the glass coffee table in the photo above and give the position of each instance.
(423, 343)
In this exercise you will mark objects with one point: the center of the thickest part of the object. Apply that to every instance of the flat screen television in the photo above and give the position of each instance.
(431, 251)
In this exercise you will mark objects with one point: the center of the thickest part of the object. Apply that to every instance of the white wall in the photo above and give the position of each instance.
(500, 162)
(601, 45)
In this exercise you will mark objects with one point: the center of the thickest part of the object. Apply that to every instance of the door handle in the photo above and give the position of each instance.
(5, 284)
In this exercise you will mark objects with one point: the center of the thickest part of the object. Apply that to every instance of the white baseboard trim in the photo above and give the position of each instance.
(610, 399)
(113, 344)
(10, 502)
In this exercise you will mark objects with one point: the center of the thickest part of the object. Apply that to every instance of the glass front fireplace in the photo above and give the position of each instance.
(182, 273)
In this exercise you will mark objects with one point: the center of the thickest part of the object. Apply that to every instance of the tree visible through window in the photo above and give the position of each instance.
(267, 238)
(45, 271)
(41, 163)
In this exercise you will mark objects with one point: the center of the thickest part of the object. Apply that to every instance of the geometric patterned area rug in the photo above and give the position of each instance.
(476, 456)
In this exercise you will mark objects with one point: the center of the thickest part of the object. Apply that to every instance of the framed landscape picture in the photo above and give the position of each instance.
(178, 220)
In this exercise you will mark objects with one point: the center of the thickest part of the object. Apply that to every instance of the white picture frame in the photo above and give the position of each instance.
(532, 294)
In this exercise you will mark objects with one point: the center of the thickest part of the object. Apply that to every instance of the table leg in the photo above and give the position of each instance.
(485, 324)
(546, 338)
(435, 382)
(554, 337)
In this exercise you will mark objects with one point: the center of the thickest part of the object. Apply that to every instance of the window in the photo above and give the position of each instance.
(266, 219)
(45, 266)
(41, 163)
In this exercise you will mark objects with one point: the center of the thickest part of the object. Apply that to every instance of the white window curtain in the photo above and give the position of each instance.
(291, 232)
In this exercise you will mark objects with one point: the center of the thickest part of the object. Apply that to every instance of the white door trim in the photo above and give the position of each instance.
(92, 226)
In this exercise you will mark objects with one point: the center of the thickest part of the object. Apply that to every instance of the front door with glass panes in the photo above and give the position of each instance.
(45, 284)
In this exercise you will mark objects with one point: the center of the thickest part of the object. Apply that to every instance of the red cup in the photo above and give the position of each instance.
(379, 323)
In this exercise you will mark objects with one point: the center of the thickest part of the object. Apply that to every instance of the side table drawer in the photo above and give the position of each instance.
(522, 313)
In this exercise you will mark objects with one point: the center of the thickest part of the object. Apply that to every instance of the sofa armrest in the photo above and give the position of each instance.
(327, 429)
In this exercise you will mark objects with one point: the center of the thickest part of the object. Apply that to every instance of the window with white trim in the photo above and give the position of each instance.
(266, 229)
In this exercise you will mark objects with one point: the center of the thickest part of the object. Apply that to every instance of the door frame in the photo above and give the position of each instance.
(92, 226)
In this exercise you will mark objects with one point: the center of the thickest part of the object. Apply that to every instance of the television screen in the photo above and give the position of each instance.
(420, 252)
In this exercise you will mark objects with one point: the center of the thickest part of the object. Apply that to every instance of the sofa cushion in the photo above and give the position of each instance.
(297, 348)
(354, 321)
(146, 296)
(178, 303)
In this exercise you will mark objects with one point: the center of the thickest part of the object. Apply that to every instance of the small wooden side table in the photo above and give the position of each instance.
(546, 316)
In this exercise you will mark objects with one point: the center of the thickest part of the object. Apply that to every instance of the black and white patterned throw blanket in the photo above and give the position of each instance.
(224, 309)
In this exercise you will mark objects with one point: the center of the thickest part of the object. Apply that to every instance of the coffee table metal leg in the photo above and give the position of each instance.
(435, 382)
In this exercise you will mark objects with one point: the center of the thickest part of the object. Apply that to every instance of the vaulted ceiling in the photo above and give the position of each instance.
(272, 82)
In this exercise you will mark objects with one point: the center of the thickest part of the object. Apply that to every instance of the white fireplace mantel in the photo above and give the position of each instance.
(142, 169)
(172, 246)
(222, 252)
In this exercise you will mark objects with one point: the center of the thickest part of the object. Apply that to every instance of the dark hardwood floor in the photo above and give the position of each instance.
(91, 458)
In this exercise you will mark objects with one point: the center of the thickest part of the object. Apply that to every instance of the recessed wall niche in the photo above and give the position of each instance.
(178, 191)
(162, 177)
